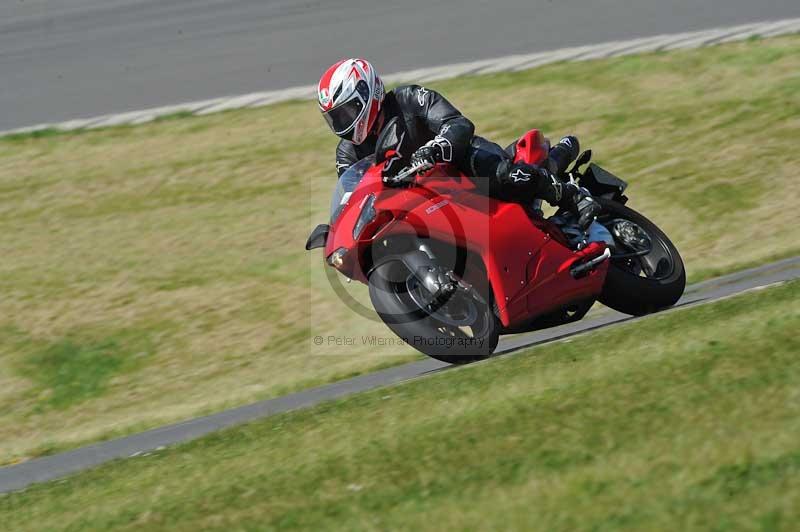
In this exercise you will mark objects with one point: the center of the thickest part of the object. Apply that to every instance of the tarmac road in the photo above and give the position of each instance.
(67, 59)
(19, 476)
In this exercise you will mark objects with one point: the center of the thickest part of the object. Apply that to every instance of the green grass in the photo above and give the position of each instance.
(191, 230)
(689, 420)
(36, 134)
(74, 370)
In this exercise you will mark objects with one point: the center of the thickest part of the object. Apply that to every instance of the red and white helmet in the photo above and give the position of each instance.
(350, 96)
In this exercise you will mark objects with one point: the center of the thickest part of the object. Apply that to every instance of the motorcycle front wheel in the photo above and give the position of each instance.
(646, 272)
(461, 330)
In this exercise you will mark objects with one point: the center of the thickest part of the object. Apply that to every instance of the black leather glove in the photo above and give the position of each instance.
(427, 156)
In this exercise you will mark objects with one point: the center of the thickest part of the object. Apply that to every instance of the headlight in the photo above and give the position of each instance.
(366, 216)
(337, 258)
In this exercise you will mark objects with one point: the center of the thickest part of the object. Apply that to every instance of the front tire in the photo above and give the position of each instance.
(644, 284)
(462, 330)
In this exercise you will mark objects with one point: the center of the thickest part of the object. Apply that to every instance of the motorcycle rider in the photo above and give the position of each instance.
(353, 101)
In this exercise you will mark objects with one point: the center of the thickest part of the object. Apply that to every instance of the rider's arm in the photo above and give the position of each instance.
(453, 131)
(345, 156)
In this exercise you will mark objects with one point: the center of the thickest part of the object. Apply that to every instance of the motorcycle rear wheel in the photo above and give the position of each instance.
(644, 284)
(462, 330)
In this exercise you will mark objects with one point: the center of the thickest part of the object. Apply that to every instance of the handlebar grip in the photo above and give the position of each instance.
(410, 171)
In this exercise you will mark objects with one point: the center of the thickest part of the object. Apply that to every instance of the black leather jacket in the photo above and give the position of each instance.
(427, 116)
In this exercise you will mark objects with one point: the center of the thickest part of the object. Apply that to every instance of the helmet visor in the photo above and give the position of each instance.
(343, 117)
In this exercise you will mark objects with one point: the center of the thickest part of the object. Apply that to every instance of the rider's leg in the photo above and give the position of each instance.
(484, 156)
(520, 180)
(482, 162)
(496, 175)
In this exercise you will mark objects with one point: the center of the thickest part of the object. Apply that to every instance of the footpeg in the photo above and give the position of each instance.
(582, 269)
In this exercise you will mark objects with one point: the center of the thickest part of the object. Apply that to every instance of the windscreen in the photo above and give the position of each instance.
(348, 183)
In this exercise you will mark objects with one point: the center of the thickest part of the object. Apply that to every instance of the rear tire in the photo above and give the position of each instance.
(434, 334)
(626, 289)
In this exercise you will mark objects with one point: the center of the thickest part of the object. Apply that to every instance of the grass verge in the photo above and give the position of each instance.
(188, 232)
(688, 420)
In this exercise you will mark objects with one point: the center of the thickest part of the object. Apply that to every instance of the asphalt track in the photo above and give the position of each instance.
(65, 59)
(17, 477)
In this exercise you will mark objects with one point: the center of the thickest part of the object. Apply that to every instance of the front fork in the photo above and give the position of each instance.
(441, 282)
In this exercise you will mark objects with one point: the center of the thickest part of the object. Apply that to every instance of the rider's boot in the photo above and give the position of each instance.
(572, 198)
(581, 203)
(562, 154)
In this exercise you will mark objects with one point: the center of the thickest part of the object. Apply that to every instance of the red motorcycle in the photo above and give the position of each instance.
(449, 269)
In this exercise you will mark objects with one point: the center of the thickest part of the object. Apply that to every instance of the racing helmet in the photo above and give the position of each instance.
(350, 94)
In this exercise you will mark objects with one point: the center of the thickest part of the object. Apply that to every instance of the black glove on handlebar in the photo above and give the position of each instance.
(427, 156)
(422, 160)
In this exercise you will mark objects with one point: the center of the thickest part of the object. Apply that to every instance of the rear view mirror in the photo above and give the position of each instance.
(583, 158)
(319, 237)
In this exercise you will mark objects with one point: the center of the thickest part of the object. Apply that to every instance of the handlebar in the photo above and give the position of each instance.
(404, 175)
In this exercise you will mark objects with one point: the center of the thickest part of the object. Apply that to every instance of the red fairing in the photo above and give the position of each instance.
(524, 261)
(532, 148)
